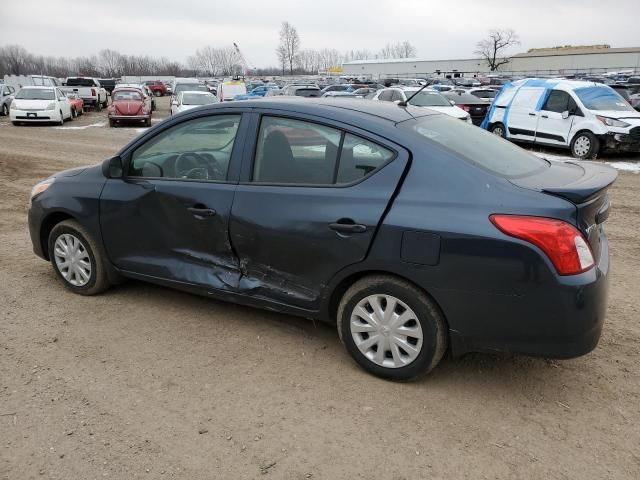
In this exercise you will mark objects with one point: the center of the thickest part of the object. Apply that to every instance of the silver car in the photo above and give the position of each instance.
(6, 97)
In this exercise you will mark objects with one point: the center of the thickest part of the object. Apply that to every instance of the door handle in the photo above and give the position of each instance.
(348, 227)
(544, 116)
(531, 114)
(202, 212)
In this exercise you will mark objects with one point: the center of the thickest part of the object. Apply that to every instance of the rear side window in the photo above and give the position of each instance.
(386, 96)
(477, 146)
(298, 152)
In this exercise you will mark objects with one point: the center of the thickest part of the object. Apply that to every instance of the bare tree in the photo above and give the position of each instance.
(492, 48)
(109, 62)
(289, 44)
(281, 52)
(405, 50)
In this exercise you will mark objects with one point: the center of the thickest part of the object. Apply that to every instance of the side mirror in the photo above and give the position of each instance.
(112, 167)
(452, 102)
(397, 101)
(565, 114)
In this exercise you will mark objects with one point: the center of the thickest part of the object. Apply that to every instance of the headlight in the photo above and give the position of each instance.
(40, 187)
(51, 106)
(612, 122)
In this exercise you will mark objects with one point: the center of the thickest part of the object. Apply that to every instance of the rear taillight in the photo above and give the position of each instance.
(464, 107)
(565, 246)
(93, 92)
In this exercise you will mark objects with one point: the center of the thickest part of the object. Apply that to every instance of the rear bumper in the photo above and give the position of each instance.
(561, 320)
(39, 116)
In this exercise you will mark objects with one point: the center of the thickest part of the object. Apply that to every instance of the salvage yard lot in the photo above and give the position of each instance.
(145, 382)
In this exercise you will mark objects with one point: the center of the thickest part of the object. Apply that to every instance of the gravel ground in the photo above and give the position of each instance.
(145, 382)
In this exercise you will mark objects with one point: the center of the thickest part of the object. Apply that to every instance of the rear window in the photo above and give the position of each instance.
(477, 146)
(80, 82)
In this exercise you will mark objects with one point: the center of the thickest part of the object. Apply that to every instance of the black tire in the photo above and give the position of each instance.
(112, 123)
(98, 281)
(432, 323)
(498, 129)
(105, 104)
(16, 124)
(97, 106)
(147, 122)
(5, 110)
(578, 149)
(74, 113)
(61, 119)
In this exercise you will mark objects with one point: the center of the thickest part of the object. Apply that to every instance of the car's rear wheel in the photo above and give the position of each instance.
(16, 124)
(391, 328)
(147, 122)
(77, 259)
(61, 122)
(98, 106)
(585, 145)
(112, 123)
(74, 113)
(498, 129)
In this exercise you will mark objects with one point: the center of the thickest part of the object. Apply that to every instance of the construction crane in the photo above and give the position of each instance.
(243, 61)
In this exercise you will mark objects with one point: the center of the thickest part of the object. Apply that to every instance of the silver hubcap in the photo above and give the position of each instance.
(386, 331)
(498, 131)
(72, 260)
(581, 146)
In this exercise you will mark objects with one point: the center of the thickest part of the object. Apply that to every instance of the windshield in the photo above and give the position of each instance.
(484, 93)
(126, 95)
(197, 99)
(194, 87)
(428, 99)
(35, 94)
(477, 146)
(602, 98)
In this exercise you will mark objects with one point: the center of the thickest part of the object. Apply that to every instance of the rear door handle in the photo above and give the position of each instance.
(531, 114)
(202, 212)
(544, 116)
(348, 227)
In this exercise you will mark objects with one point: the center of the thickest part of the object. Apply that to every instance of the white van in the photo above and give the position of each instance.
(230, 89)
(585, 117)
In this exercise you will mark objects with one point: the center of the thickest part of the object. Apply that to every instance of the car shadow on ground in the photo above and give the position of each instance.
(471, 370)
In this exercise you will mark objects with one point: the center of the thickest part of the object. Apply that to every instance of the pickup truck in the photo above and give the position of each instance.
(88, 89)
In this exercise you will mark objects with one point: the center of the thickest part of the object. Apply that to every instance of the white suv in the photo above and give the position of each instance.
(585, 117)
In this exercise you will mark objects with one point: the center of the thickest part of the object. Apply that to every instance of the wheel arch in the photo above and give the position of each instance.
(332, 300)
(49, 222)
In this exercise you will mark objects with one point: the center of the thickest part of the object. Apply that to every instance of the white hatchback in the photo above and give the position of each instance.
(188, 100)
(426, 98)
(40, 104)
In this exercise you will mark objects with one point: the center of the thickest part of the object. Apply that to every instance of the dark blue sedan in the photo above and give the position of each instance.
(414, 232)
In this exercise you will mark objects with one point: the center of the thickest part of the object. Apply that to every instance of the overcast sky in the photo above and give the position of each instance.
(439, 29)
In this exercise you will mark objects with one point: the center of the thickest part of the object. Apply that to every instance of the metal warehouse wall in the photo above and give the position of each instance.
(526, 63)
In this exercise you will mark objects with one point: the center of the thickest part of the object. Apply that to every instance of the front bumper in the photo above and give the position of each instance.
(132, 118)
(620, 142)
(31, 116)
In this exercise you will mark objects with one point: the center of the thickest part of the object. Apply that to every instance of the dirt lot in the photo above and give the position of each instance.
(145, 382)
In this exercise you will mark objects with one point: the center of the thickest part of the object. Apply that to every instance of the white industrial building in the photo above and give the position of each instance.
(537, 62)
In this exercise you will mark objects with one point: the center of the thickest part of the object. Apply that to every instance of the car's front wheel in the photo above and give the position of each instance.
(585, 145)
(5, 110)
(391, 328)
(77, 259)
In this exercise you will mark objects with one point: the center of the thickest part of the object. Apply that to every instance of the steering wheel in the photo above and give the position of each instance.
(191, 165)
(215, 172)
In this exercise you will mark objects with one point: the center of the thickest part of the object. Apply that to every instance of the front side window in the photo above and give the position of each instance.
(198, 149)
(558, 101)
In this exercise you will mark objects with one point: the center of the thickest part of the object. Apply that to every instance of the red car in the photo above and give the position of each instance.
(158, 88)
(129, 104)
(77, 104)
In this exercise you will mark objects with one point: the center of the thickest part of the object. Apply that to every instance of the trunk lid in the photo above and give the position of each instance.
(585, 184)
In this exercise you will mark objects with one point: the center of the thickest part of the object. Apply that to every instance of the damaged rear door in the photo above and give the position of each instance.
(310, 199)
(168, 218)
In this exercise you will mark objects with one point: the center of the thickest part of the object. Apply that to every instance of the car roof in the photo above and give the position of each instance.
(332, 108)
